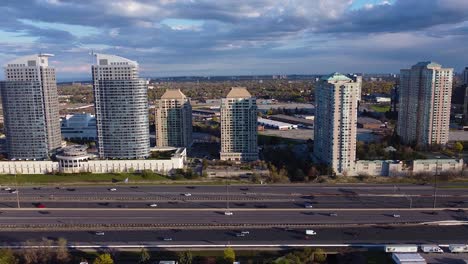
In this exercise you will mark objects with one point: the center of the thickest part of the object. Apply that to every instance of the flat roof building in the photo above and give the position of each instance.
(424, 104)
(30, 108)
(336, 103)
(79, 126)
(121, 103)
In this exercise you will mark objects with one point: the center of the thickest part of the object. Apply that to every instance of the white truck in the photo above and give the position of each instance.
(401, 248)
(458, 248)
(311, 233)
(431, 249)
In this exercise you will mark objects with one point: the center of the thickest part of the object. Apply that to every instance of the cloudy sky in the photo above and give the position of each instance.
(233, 37)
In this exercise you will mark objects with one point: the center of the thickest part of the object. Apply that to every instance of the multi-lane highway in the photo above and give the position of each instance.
(147, 214)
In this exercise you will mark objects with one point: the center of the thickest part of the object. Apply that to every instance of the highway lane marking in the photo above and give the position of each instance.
(238, 209)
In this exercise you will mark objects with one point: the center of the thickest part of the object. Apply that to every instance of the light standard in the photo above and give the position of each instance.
(435, 182)
(17, 192)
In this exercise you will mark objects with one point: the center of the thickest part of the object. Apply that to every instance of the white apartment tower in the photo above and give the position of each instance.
(239, 126)
(336, 106)
(173, 120)
(30, 108)
(121, 102)
(424, 109)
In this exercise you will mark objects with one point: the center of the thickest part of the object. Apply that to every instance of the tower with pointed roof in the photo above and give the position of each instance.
(424, 105)
(336, 103)
(30, 108)
(173, 120)
(239, 126)
(121, 104)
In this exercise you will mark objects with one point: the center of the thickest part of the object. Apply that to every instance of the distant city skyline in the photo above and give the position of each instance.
(242, 37)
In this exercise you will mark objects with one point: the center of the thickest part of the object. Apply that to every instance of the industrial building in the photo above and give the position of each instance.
(275, 124)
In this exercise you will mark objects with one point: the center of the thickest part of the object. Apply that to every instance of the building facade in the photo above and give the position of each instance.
(465, 76)
(121, 104)
(79, 127)
(173, 120)
(336, 103)
(30, 108)
(424, 105)
(239, 126)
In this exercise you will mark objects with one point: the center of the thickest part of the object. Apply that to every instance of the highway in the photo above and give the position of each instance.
(196, 214)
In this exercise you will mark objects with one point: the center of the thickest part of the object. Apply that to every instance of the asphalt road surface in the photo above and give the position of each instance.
(264, 236)
(257, 196)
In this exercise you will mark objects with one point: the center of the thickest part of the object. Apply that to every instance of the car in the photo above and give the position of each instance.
(99, 233)
(167, 239)
(333, 214)
(245, 232)
(187, 194)
(7, 189)
(153, 205)
(112, 189)
(14, 191)
(240, 235)
(37, 188)
(40, 205)
(396, 215)
(228, 213)
(307, 205)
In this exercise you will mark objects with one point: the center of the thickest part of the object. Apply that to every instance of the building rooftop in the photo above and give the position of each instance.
(428, 64)
(35, 60)
(335, 77)
(108, 59)
(173, 94)
(239, 92)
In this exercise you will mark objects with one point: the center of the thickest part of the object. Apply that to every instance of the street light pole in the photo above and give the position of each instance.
(435, 183)
(17, 192)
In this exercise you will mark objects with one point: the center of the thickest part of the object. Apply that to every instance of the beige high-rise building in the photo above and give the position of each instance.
(31, 108)
(424, 108)
(173, 120)
(336, 103)
(239, 126)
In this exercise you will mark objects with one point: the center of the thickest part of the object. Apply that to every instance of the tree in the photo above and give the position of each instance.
(144, 256)
(458, 147)
(7, 257)
(185, 257)
(320, 255)
(62, 254)
(229, 255)
(104, 259)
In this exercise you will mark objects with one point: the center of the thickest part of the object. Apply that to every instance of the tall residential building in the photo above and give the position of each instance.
(30, 108)
(121, 102)
(239, 126)
(424, 106)
(173, 120)
(336, 106)
(465, 76)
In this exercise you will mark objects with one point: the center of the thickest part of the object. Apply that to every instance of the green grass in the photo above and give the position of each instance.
(380, 108)
(84, 178)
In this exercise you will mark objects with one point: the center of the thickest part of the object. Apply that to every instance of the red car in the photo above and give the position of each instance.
(40, 206)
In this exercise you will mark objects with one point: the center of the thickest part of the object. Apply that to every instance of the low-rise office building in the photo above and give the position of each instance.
(75, 159)
(79, 126)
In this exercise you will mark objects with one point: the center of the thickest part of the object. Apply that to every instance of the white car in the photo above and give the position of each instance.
(153, 205)
(228, 213)
(308, 205)
(187, 194)
(99, 233)
(396, 215)
(245, 232)
(14, 191)
(112, 189)
(7, 189)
